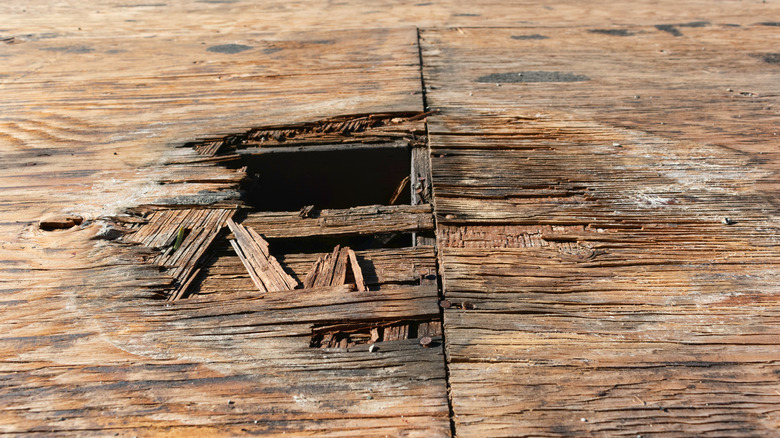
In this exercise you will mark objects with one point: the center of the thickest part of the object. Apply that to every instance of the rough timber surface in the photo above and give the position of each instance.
(608, 228)
(89, 348)
(369, 219)
(96, 98)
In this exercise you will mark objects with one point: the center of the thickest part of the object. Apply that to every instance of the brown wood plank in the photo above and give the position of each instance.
(372, 219)
(97, 115)
(95, 99)
(607, 213)
(382, 267)
(357, 271)
(265, 271)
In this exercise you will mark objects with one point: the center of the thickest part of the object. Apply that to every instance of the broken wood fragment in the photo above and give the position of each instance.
(340, 267)
(398, 190)
(255, 279)
(356, 271)
(161, 231)
(60, 222)
(333, 270)
(352, 333)
(267, 274)
(362, 220)
(311, 277)
(305, 211)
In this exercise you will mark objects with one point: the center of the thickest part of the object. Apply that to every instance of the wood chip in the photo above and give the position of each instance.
(357, 273)
(335, 269)
(265, 271)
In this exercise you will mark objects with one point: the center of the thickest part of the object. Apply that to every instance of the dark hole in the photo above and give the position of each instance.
(325, 244)
(361, 334)
(289, 181)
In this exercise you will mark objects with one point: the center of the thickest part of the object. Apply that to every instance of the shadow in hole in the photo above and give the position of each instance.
(325, 179)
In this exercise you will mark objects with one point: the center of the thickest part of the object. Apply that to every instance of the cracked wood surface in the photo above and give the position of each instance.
(608, 229)
(380, 266)
(372, 219)
(88, 346)
(253, 251)
(95, 100)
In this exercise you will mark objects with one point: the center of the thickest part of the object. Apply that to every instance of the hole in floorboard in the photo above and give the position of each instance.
(348, 336)
(289, 181)
(297, 178)
(322, 244)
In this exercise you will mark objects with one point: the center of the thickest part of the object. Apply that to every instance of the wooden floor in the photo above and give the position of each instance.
(601, 180)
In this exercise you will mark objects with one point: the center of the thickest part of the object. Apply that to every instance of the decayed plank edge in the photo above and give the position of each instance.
(262, 150)
(357, 272)
(357, 220)
(264, 269)
(319, 305)
(380, 267)
(355, 128)
(332, 269)
(161, 230)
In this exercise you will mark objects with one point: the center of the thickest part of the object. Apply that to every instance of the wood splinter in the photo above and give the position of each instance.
(332, 270)
(267, 274)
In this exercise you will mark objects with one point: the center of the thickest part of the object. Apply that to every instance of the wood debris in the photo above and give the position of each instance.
(397, 194)
(363, 220)
(369, 129)
(332, 270)
(267, 274)
(361, 333)
(200, 228)
(59, 222)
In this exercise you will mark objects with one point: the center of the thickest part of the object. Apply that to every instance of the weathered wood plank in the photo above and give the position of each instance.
(265, 271)
(607, 229)
(374, 219)
(90, 110)
(582, 400)
(89, 349)
(381, 267)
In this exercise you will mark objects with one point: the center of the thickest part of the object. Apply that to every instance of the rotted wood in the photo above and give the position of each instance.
(342, 335)
(160, 231)
(421, 186)
(377, 130)
(421, 176)
(81, 312)
(336, 269)
(380, 267)
(265, 271)
(367, 220)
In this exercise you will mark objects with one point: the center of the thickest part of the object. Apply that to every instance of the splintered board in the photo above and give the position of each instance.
(608, 227)
(99, 177)
(99, 107)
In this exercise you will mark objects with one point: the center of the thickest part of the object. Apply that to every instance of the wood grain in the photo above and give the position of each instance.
(97, 102)
(93, 126)
(372, 219)
(607, 229)
(381, 267)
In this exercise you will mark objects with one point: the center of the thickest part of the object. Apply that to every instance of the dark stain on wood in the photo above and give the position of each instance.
(669, 28)
(532, 76)
(229, 48)
(612, 32)
(534, 36)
